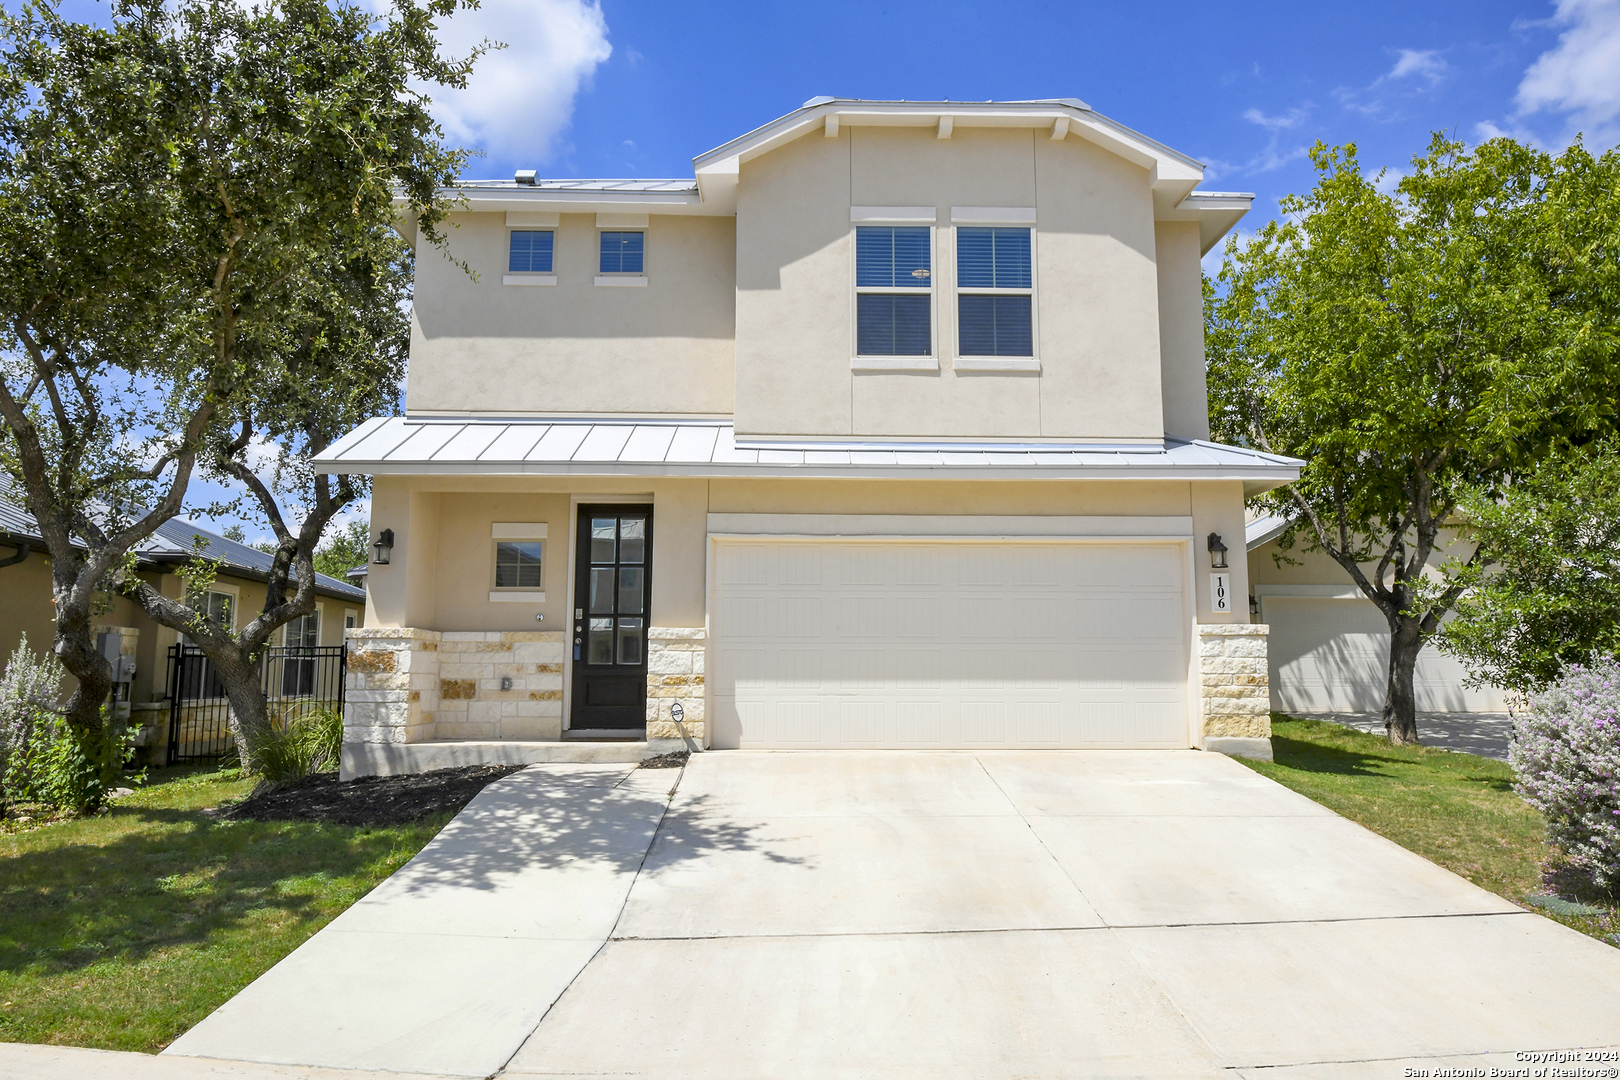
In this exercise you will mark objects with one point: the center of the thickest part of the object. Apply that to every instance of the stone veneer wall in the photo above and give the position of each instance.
(1235, 685)
(407, 685)
(391, 688)
(675, 671)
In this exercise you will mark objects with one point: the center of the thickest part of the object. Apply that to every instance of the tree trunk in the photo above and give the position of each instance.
(242, 680)
(1400, 698)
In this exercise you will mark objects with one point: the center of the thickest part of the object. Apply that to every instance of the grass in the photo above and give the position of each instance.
(1457, 810)
(123, 930)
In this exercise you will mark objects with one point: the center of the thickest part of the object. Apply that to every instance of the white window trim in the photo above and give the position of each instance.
(996, 365)
(320, 620)
(351, 613)
(622, 223)
(893, 365)
(516, 530)
(531, 221)
(233, 591)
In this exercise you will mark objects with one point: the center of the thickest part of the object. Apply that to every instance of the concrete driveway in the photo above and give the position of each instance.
(1063, 914)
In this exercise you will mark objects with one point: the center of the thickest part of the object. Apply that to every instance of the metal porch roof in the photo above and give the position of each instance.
(708, 448)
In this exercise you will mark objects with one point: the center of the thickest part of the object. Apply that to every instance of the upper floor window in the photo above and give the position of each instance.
(622, 253)
(894, 290)
(530, 252)
(994, 298)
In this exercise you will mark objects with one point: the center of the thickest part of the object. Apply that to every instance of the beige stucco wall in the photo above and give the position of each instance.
(1181, 329)
(439, 575)
(440, 571)
(26, 588)
(576, 347)
(1096, 306)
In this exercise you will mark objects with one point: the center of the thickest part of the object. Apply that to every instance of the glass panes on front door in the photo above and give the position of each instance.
(616, 600)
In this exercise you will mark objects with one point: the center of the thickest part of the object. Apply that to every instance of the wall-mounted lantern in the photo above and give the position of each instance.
(384, 546)
(1254, 604)
(1217, 552)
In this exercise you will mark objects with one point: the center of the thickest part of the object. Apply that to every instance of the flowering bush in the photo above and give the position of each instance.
(1566, 752)
(29, 690)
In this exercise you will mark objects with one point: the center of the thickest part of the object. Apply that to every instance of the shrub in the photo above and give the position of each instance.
(29, 692)
(1566, 752)
(42, 759)
(306, 746)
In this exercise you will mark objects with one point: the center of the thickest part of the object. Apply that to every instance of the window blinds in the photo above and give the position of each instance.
(530, 253)
(621, 253)
(992, 259)
(893, 258)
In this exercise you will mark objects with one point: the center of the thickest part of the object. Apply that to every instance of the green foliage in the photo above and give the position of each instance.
(30, 693)
(344, 550)
(42, 758)
(1553, 598)
(308, 745)
(1412, 346)
(198, 262)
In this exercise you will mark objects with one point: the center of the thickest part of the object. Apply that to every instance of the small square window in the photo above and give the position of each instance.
(520, 564)
(530, 252)
(622, 252)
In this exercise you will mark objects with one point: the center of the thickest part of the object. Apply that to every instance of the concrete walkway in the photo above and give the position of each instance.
(1485, 734)
(920, 915)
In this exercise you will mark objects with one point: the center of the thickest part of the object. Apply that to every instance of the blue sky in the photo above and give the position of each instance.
(636, 89)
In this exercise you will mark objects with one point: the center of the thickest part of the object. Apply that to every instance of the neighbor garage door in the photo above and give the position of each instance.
(940, 644)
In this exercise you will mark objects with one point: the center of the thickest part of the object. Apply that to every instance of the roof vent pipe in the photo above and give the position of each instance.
(525, 176)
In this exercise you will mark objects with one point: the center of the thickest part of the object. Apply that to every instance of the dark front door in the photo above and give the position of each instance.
(611, 596)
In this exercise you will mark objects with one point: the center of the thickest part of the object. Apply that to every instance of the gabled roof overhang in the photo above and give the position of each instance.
(1172, 175)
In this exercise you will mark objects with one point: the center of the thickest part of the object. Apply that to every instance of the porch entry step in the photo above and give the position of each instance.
(394, 759)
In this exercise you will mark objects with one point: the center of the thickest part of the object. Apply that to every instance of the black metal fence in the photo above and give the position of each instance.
(297, 681)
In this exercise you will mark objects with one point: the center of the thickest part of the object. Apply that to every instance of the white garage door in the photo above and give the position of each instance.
(911, 644)
(1333, 656)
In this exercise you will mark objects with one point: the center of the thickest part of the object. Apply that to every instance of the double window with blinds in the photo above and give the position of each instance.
(895, 287)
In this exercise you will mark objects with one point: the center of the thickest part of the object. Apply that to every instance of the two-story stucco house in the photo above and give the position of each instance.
(888, 429)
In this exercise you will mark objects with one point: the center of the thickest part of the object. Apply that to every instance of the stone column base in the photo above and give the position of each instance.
(675, 672)
(391, 688)
(1234, 686)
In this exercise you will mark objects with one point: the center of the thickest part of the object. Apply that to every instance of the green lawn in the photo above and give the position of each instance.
(1454, 809)
(123, 930)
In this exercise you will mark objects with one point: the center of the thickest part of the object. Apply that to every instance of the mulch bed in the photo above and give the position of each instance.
(369, 800)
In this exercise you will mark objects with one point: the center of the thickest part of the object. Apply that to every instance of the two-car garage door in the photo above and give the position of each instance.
(883, 643)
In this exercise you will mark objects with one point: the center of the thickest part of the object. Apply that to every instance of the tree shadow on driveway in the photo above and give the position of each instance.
(560, 821)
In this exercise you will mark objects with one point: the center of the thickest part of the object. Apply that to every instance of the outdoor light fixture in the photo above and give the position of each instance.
(384, 546)
(1254, 604)
(1217, 552)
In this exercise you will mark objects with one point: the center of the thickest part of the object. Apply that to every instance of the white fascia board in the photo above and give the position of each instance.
(507, 200)
(1266, 476)
(1216, 212)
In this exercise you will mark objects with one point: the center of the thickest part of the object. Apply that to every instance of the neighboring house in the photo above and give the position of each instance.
(238, 592)
(888, 429)
(1330, 645)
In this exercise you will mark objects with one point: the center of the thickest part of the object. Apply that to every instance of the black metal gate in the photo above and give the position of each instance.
(296, 681)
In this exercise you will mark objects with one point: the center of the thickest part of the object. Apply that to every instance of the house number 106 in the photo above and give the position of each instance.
(1220, 592)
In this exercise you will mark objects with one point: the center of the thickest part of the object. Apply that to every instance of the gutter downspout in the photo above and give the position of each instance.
(23, 548)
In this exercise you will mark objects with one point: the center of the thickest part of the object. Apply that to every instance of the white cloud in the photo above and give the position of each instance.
(1289, 119)
(519, 99)
(1415, 71)
(1425, 63)
(1273, 156)
(1390, 180)
(1580, 76)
